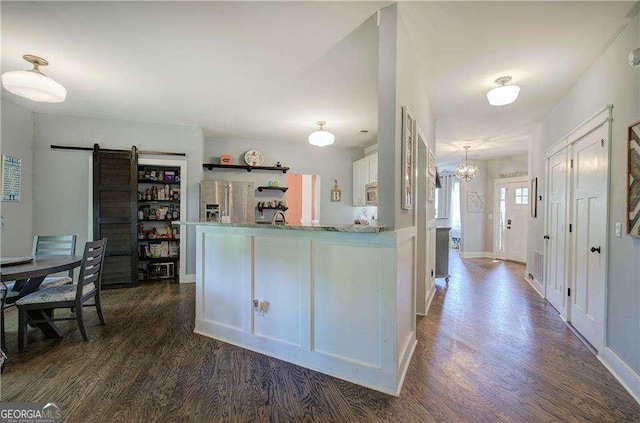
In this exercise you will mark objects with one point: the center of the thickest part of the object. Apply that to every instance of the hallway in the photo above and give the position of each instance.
(493, 349)
(490, 350)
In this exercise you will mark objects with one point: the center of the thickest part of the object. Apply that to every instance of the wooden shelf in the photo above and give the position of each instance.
(147, 181)
(283, 189)
(159, 201)
(211, 166)
(158, 259)
(158, 220)
(283, 208)
(158, 239)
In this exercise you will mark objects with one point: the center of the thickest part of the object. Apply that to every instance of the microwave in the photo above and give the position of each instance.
(371, 194)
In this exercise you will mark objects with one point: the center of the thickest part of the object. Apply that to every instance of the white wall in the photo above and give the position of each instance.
(474, 229)
(610, 80)
(329, 162)
(17, 140)
(496, 167)
(62, 179)
(399, 85)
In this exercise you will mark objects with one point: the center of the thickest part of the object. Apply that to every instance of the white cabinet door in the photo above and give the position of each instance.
(373, 168)
(359, 182)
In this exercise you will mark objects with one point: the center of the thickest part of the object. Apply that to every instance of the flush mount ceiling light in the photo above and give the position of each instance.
(466, 170)
(504, 94)
(321, 137)
(33, 84)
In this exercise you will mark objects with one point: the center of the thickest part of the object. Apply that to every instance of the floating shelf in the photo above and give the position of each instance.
(211, 166)
(283, 208)
(283, 189)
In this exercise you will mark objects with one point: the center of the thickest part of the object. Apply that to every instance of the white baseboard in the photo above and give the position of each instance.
(428, 302)
(190, 278)
(535, 283)
(619, 369)
(474, 254)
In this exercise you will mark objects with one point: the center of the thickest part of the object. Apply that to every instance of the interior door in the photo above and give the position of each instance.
(115, 185)
(513, 208)
(589, 236)
(556, 217)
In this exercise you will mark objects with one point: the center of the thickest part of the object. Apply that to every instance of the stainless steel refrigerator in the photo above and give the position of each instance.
(227, 202)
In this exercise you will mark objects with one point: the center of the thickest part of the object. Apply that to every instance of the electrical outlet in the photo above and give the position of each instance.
(618, 229)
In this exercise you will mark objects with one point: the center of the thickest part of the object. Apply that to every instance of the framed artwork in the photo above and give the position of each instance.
(432, 191)
(633, 180)
(533, 197)
(432, 165)
(475, 202)
(407, 168)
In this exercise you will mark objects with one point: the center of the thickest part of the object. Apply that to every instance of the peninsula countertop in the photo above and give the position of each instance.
(319, 228)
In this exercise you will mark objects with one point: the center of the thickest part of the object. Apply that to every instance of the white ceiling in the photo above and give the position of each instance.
(269, 70)
(463, 47)
(263, 70)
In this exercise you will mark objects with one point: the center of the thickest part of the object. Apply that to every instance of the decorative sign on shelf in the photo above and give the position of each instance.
(475, 202)
(336, 194)
(11, 178)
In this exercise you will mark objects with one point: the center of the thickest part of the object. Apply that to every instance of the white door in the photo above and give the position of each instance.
(589, 235)
(555, 228)
(513, 208)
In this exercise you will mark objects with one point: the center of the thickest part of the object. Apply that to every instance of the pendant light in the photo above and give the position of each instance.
(321, 138)
(33, 84)
(466, 170)
(504, 94)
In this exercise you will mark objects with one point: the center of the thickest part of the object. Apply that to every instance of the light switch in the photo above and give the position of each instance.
(618, 229)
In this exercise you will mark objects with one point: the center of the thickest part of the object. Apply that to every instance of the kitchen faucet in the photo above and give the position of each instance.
(279, 218)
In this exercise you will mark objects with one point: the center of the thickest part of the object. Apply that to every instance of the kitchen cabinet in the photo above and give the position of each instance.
(365, 171)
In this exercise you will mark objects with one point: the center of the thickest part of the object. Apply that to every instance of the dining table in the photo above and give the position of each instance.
(28, 273)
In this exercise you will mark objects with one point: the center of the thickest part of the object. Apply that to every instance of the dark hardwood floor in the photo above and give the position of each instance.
(490, 350)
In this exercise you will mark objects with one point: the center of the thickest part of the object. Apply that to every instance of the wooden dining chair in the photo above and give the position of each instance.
(47, 245)
(43, 245)
(74, 296)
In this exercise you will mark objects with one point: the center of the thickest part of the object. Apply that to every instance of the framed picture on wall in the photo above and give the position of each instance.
(633, 180)
(432, 165)
(407, 168)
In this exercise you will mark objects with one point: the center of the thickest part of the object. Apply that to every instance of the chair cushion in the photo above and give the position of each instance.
(9, 286)
(54, 294)
(55, 281)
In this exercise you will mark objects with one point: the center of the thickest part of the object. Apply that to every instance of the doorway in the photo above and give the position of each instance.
(510, 219)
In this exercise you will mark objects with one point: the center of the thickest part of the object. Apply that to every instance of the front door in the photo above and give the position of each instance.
(513, 207)
(589, 235)
(556, 217)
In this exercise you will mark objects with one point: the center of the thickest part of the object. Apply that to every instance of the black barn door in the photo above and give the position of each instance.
(115, 199)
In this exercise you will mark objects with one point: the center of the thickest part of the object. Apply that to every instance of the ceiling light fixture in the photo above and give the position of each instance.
(466, 170)
(33, 84)
(504, 94)
(321, 138)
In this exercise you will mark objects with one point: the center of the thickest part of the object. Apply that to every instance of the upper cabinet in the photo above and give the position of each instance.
(365, 171)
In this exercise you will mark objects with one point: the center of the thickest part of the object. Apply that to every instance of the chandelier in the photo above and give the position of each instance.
(466, 170)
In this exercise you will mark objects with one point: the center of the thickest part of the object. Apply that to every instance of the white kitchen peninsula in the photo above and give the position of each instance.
(335, 298)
